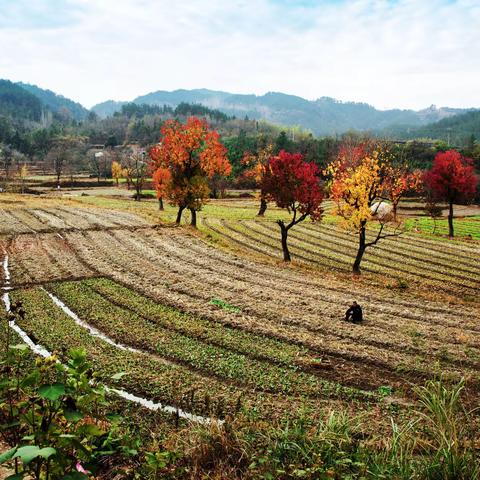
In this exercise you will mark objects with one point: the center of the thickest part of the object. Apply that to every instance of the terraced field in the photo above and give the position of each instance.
(209, 331)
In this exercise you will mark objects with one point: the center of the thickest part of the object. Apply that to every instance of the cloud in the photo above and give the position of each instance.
(402, 53)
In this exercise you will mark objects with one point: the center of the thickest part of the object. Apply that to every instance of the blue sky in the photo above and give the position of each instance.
(402, 53)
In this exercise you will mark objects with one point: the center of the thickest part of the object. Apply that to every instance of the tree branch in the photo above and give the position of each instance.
(380, 236)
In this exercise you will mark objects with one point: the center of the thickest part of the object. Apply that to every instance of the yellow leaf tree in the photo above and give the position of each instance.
(117, 171)
(358, 184)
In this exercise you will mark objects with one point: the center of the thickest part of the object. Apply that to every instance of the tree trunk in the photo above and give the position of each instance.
(394, 211)
(284, 230)
(450, 219)
(160, 203)
(179, 215)
(138, 192)
(263, 206)
(193, 222)
(361, 250)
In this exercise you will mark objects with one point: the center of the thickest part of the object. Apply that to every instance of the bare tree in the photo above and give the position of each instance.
(133, 161)
(6, 156)
(61, 152)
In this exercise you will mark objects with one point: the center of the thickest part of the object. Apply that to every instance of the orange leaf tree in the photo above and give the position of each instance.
(192, 154)
(161, 182)
(257, 164)
(398, 181)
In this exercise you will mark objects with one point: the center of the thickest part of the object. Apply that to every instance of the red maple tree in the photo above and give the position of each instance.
(451, 179)
(193, 154)
(293, 184)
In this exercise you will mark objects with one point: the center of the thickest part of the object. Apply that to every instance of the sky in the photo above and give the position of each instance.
(388, 53)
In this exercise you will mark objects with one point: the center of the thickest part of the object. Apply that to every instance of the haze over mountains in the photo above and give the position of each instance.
(324, 116)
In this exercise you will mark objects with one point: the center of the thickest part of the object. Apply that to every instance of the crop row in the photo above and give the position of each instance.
(329, 254)
(297, 319)
(150, 376)
(438, 249)
(327, 286)
(144, 375)
(384, 311)
(382, 260)
(45, 257)
(410, 254)
(138, 331)
(22, 220)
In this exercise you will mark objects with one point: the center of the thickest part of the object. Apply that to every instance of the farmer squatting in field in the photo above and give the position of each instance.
(354, 313)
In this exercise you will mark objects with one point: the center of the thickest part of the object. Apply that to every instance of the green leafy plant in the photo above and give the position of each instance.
(55, 415)
(224, 305)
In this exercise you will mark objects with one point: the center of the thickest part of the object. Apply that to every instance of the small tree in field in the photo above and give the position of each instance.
(358, 184)
(193, 154)
(434, 211)
(22, 176)
(451, 179)
(117, 171)
(399, 180)
(257, 169)
(293, 184)
(161, 181)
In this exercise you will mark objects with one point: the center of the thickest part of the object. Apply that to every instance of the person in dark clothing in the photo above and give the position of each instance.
(354, 313)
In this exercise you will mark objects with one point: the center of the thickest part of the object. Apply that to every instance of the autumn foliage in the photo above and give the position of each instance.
(117, 171)
(451, 179)
(192, 154)
(361, 178)
(257, 168)
(293, 184)
(398, 181)
(161, 182)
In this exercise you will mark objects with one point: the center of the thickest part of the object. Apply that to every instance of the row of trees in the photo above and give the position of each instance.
(365, 180)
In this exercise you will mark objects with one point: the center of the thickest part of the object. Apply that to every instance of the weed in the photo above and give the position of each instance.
(224, 305)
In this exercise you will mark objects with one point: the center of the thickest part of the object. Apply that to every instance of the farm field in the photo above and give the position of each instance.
(211, 324)
(176, 299)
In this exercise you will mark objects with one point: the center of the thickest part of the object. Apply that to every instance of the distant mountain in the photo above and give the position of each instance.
(108, 108)
(454, 129)
(19, 105)
(325, 116)
(58, 104)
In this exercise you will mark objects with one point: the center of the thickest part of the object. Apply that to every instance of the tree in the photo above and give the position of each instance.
(257, 169)
(293, 184)
(61, 148)
(99, 161)
(7, 155)
(434, 211)
(139, 168)
(358, 184)
(161, 182)
(193, 154)
(399, 180)
(451, 179)
(22, 176)
(117, 171)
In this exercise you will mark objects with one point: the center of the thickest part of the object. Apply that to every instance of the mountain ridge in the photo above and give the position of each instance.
(323, 116)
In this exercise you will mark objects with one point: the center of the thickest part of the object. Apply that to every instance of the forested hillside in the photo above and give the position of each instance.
(57, 103)
(457, 130)
(17, 104)
(324, 116)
